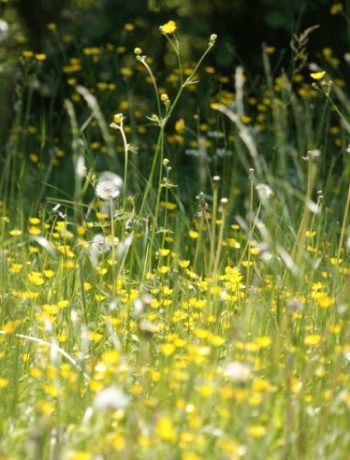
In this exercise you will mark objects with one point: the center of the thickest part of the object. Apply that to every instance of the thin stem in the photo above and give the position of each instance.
(343, 227)
(50, 345)
(142, 59)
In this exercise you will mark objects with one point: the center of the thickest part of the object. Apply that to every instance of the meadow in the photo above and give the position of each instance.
(175, 254)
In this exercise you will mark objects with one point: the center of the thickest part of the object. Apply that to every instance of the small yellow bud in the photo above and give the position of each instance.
(118, 118)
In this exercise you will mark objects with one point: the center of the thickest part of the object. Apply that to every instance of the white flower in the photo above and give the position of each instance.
(4, 29)
(111, 398)
(239, 372)
(80, 167)
(264, 191)
(108, 186)
(347, 243)
(99, 245)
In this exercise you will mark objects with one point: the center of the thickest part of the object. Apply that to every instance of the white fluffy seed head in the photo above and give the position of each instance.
(237, 371)
(264, 191)
(111, 398)
(108, 186)
(100, 244)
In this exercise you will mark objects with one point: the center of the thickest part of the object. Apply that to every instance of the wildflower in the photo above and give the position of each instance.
(36, 278)
(3, 382)
(80, 455)
(236, 371)
(312, 155)
(27, 53)
(15, 232)
(256, 431)
(10, 326)
(180, 125)
(264, 192)
(168, 205)
(118, 118)
(336, 8)
(184, 263)
(269, 49)
(193, 234)
(165, 429)
(212, 40)
(164, 97)
(52, 26)
(108, 186)
(111, 398)
(129, 27)
(312, 339)
(4, 29)
(40, 57)
(33, 230)
(168, 28)
(99, 246)
(167, 349)
(318, 75)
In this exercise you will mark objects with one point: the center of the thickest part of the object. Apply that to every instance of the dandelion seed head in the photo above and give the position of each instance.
(239, 372)
(111, 398)
(264, 191)
(4, 30)
(108, 186)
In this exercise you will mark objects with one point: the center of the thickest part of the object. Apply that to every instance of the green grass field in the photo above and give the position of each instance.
(175, 271)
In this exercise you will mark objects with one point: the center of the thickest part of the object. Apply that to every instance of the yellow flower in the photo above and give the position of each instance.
(184, 263)
(3, 382)
(168, 28)
(163, 270)
(191, 456)
(165, 429)
(167, 349)
(168, 205)
(49, 273)
(34, 221)
(164, 97)
(10, 326)
(180, 125)
(270, 49)
(263, 342)
(80, 455)
(33, 230)
(256, 431)
(336, 8)
(15, 232)
(312, 339)
(318, 75)
(35, 278)
(16, 268)
(27, 54)
(40, 57)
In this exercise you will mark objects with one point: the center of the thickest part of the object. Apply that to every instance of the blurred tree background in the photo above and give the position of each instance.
(241, 24)
(47, 47)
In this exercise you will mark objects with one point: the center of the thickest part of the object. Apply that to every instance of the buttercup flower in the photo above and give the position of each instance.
(168, 28)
